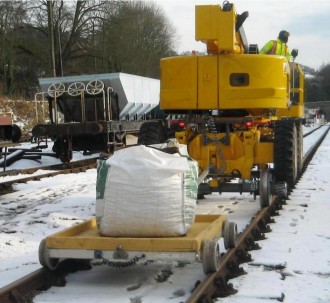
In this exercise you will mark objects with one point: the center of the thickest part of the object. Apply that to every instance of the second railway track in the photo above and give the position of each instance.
(25, 175)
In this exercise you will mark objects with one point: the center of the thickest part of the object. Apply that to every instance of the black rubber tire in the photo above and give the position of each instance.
(63, 151)
(300, 138)
(7, 131)
(152, 133)
(285, 152)
(16, 133)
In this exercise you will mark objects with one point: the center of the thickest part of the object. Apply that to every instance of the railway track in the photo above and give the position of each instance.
(62, 168)
(49, 171)
(213, 286)
(216, 285)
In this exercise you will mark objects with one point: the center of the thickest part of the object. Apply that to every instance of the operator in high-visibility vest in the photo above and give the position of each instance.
(278, 47)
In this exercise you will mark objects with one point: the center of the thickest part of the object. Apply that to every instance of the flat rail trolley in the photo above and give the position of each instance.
(83, 241)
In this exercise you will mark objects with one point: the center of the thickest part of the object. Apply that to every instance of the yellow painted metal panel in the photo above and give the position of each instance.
(238, 154)
(267, 82)
(86, 236)
(293, 111)
(210, 22)
(207, 82)
(264, 153)
(178, 82)
(297, 109)
(206, 22)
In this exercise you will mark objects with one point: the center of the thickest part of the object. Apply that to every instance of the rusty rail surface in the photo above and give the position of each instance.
(23, 290)
(216, 285)
(72, 167)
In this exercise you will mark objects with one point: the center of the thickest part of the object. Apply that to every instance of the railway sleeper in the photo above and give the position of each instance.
(234, 270)
(243, 256)
(223, 288)
(264, 227)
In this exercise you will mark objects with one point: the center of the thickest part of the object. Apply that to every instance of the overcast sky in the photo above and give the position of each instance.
(307, 21)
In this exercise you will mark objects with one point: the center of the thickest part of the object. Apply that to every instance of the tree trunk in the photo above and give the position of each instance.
(51, 38)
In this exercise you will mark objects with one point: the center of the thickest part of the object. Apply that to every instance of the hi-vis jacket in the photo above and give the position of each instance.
(276, 47)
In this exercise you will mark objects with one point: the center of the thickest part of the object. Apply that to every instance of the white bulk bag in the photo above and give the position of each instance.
(144, 192)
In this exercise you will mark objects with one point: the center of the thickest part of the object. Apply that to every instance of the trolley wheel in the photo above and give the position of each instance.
(265, 194)
(76, 88)
(94, 87)
(56, 89)
(229, 234)
(210, 256)
(44, 258)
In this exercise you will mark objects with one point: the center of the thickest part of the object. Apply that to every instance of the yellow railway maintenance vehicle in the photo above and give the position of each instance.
(242, 111)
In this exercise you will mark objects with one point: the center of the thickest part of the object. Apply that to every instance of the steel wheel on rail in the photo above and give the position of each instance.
(265, 194)
(210, 256)
(229, 234)
(286, 152)
(44, 259)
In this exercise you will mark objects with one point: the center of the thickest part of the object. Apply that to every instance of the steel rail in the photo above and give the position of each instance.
(27, 287)
(32, 170)
(76, 166)
(309, 155)
(216, 285)
(312, 131)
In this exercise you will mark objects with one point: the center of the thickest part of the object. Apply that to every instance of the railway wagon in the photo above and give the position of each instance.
(93, 113)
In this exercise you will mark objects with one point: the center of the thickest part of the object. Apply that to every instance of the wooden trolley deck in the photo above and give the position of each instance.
(84, 241)
(87, 236)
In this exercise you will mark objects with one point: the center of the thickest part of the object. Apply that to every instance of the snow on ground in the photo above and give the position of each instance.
(300, 241)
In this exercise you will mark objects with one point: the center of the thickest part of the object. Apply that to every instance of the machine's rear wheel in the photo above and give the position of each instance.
(265, 194)
(152, 133)
(286, 152)
(300, 153)
(210, 256)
